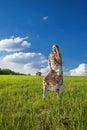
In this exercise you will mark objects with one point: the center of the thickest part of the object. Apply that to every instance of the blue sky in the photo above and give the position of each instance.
(29, 28)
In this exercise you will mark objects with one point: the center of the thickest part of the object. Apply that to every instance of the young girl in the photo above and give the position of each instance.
(54, 79)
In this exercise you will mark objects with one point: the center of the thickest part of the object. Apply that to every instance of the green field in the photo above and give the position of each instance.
(22, 106)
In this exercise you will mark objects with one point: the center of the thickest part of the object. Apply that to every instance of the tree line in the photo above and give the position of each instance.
(8, 72)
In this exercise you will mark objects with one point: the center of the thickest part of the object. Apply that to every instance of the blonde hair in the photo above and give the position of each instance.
(57, 54)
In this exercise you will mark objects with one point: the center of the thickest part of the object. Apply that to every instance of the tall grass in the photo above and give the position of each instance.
(22, 106)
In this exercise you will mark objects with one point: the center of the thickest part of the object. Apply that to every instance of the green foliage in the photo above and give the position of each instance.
(8, 72)
(22, 106)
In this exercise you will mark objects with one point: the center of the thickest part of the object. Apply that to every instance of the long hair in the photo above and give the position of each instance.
(57, 55)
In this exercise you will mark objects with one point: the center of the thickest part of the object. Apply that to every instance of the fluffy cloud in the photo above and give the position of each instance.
(33, 68)
(26, 62)
(20, 57)
(19, 61)
(14, 44)
(81, 70)
(45, 17)
(45, 70)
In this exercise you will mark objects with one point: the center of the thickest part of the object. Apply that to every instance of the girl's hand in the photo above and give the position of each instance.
(50, 70)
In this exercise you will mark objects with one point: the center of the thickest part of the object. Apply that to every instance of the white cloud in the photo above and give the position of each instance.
(14, 44)
(31, 68)
(45, 70)
(26, 62)
(20, 57)
(81, 70)
(45, 17)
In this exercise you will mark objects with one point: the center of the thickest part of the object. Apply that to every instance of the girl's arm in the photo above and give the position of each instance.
(49, 64)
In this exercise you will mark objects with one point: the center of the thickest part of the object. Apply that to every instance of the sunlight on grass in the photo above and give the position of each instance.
(22, 106)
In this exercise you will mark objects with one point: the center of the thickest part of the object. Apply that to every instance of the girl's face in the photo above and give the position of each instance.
(53, 48)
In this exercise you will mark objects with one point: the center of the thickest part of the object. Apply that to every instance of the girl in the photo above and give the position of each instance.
(54, 79)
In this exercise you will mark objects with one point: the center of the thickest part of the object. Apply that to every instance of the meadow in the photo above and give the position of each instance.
(22, 106)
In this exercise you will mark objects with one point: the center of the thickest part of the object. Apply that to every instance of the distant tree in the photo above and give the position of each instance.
(8, 72)
(0, 71)
(28, 74)
(38, 73)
